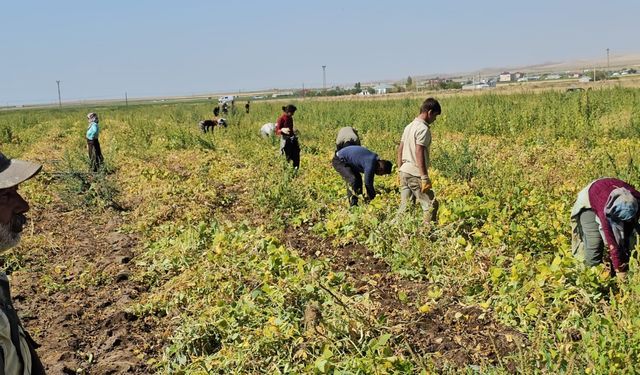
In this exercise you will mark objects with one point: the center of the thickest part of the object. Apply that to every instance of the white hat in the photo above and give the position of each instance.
(14, 171)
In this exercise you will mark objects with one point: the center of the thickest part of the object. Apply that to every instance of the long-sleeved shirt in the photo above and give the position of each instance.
(362, 161)
(284, 121)
(598, 196)
(92, 131)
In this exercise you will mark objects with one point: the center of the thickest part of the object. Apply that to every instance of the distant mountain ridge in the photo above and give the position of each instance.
(615, 61)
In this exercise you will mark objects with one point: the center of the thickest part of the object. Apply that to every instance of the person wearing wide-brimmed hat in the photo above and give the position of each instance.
(93, 144)
(17, 349)
(605, 216)
(289, 145)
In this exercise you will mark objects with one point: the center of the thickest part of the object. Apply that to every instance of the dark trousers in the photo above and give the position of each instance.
(95, 154)
(351, 177)
(291, 149)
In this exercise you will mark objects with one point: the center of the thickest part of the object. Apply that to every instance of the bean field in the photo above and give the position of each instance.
(216, 258)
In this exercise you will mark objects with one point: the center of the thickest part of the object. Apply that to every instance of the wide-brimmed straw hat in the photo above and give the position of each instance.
(13, 171)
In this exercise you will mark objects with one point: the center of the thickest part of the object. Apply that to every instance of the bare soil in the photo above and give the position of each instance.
(73, 293)
(450, 332)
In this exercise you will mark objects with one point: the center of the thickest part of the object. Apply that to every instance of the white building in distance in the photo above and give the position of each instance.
(506, 77)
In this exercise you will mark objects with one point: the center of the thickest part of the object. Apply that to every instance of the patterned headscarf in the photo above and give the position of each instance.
(92, 117)
(621, 207)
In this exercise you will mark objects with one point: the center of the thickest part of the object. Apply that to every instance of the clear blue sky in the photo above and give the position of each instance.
(156, 48)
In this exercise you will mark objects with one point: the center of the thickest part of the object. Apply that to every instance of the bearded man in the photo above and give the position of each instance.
(17, 348)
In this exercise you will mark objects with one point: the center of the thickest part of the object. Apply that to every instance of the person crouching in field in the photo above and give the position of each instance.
(347, 136)
(413, 161)
(207, 125)
(93, 145)
(350, 161)
(605, 215)
(267, 130)
(289, 145)
(17, 349)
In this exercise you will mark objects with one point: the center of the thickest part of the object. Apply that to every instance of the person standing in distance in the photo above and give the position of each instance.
(289, 145)
(93, 145)
(413, 161)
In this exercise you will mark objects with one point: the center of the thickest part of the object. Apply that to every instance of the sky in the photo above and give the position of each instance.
(102, 49)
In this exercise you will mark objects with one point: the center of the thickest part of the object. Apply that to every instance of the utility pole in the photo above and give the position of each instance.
(126, 99)
(324, 77)
(59, 97)
(608, 66)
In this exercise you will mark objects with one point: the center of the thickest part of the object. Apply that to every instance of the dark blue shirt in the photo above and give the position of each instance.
(363, 161)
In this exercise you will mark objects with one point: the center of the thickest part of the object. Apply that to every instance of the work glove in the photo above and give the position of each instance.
(425, 184)
(286, 131)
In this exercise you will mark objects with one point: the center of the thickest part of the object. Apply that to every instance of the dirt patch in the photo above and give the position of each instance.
(449, 332)
(73, 292)
(232, 205)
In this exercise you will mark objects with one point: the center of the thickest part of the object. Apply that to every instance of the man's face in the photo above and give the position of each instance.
(431, 117)
(12, 219)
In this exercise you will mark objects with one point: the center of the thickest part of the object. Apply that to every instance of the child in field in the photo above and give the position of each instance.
(605, 215)
(289, 145)
(93, 145)
(413, 161)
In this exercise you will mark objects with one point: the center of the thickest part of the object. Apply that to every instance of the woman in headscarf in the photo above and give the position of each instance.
(93, 145)
(605, 215)
(289, 145)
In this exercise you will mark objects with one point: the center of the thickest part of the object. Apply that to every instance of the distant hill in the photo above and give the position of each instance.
(615, 61)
